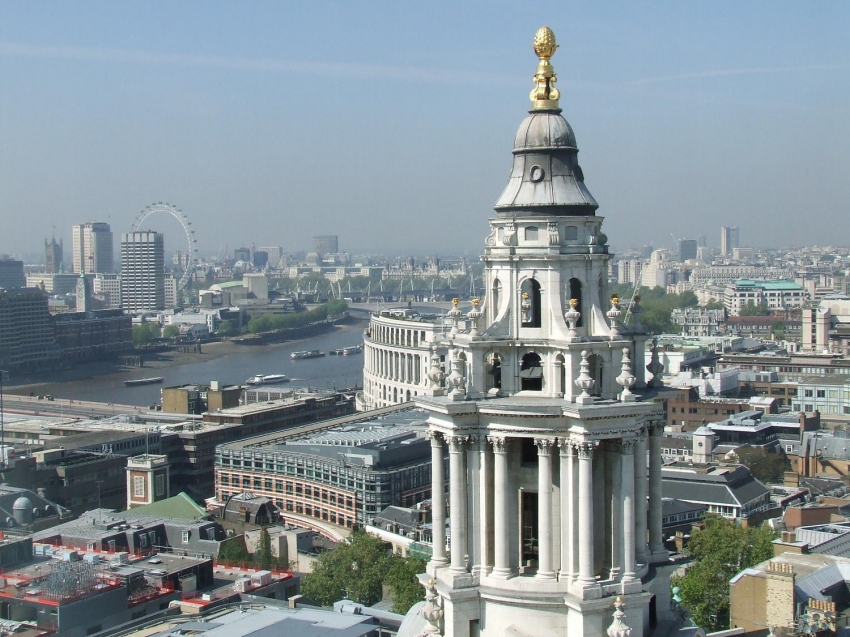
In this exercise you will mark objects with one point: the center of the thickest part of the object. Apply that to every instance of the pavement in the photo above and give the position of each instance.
(32, 405)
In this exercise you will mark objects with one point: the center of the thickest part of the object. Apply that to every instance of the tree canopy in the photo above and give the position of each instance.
(354, 570)
(226, 328)
(403, 584)
(765, 466)
(720, 551)
(145, 333)
(751, 309)
(657, 306)
(270, 322)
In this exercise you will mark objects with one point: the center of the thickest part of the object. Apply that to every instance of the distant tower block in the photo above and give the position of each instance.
(326, 244)
(555, 462)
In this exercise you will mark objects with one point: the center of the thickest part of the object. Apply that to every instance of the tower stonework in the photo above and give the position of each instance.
(544, 410)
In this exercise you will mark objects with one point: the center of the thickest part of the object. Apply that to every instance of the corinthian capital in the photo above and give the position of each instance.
(457, 443)
(500, 443)
(436, 438)
(585, 450)
(544, 446)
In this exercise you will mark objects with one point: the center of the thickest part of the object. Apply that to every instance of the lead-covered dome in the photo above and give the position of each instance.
(544, 130)
(546, 178)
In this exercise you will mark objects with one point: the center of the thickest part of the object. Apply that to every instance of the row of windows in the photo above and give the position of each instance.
(320, 513)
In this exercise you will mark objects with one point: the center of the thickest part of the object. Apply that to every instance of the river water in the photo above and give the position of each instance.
(233, 367)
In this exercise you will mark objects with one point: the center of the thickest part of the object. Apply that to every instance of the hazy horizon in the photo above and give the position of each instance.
(392, 125)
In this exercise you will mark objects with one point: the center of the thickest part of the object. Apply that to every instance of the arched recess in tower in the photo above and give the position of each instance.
(532, 317)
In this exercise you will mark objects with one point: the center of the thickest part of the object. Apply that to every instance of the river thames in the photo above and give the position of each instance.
(233, 366)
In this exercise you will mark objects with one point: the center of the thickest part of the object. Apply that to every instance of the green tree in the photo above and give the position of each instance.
(145, 333)
(720, 550)
(234, 549)
(765, 466)
(170, 331)
(355, 570)
(714, 304)
(226, 328)
(403, 584)
(751, 309)
(263, 555)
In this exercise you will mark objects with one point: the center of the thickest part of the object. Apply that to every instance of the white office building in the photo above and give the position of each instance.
(142, 271)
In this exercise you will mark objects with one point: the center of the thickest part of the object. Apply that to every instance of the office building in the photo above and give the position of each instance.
(107, 289)
(776, 295)
(27, 339)
(53, 256)
(729, 240)
(96, 335)
(326, 244)
(92, 245)
(12, 274)
(274, 254)
(242, 254)
(687, 249)
(142, 271)
(341, 473)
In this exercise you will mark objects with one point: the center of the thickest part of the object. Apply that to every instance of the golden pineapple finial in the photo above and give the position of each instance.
(545, 96)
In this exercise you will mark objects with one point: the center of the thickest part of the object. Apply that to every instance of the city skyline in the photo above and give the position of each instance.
(242, 117)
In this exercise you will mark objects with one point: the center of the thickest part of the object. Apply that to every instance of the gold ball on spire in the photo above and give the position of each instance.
(544, 43)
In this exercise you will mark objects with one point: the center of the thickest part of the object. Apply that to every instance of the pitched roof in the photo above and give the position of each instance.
(177, 507)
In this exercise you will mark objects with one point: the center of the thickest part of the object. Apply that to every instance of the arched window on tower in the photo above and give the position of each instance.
(495, 297)
(575, 293)
(531, 233)
(531, 373)
(530, 303)
(494, 371)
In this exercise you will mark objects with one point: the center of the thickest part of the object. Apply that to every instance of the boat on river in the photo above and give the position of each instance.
(143, 381)
(312, 353)
(268, 379)
(354, 349)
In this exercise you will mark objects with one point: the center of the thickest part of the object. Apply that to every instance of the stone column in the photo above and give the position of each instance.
(457, 502)
(569, 526)
(613, 507)
(501, 541)
(627, 491)
(438, 500)
(586, 576)
(544, 508)
(485, 481)
(640, 499)
(473, 504)
(656, 543)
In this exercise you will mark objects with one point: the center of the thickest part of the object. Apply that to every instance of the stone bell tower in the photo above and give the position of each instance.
(552, 432)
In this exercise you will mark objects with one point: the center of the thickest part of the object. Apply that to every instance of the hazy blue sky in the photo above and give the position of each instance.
(391, 123)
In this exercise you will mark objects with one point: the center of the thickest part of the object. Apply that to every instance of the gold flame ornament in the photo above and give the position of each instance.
(545, 96)
(475, 302)
(455, 301)
(573, 302)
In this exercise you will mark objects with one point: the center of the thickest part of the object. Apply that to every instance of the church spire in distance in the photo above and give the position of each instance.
(544, 96)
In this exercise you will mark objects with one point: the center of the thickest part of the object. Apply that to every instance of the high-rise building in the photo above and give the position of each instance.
(729, 239)
(53, 255)
(26, 331)
(687, 249)
(552, 433)
(92, 245)
(107, 288)
(242, 254)
(702, 241)
(326, 244)
(12, 273)
(142, 271)
(274, 252)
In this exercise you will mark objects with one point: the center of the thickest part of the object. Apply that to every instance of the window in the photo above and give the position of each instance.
(138, 486)
(570, 233)
(160, 485)
(531, 233)
(821, 393)
(185, 537)
(807, 393)
(789, 448)
(143, 540)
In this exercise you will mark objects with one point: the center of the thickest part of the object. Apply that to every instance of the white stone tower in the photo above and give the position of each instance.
(555, 510)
